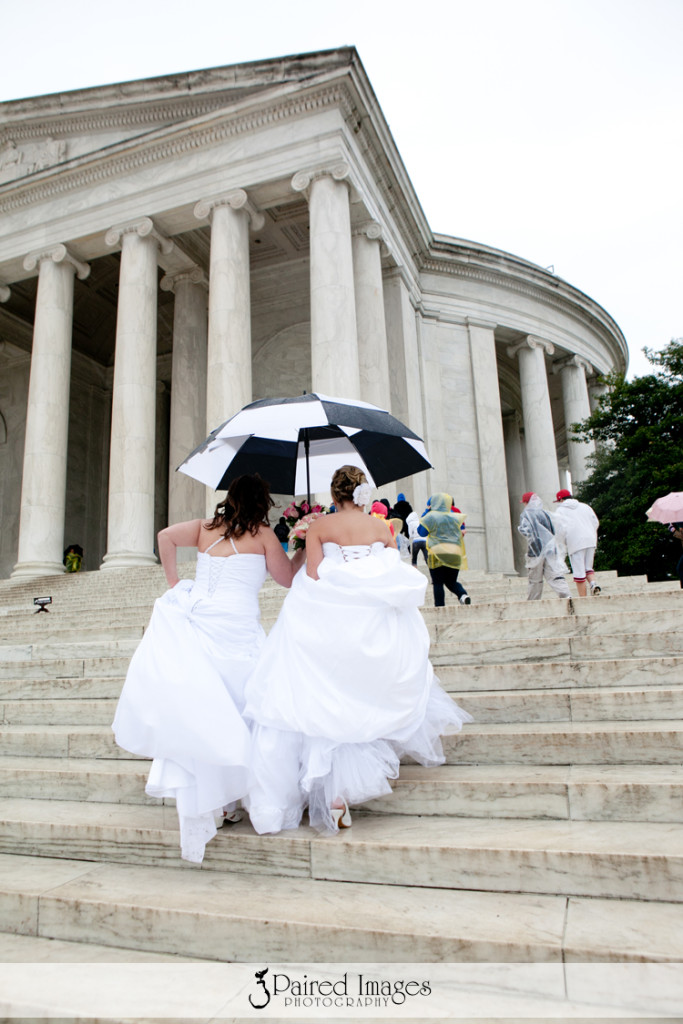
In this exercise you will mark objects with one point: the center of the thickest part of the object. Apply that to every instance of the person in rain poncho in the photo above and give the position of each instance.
(576, 527)
(543, 558)
(445, 547)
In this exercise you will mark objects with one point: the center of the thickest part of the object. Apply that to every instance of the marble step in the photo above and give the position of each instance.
(580, 792)
(620, 792)
(649, 742)
(64, 650)
(579, 858)
(236, 917)
(16, 948)
(499, 649)
(56, 633)
(587, 705)
(541, 743)
(135, 593)
(563, 648)
(15, 624)
(72, 711)
(583, 705)
(60, 671)
(90, 741)
(620, 673)
(577, 627)
(56, 680)
(83, 779)
(88, 614)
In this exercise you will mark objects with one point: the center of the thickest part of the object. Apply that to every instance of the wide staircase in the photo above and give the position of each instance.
(553, 833)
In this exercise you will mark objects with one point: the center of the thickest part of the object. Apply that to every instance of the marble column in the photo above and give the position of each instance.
(573, 372)
(514, 461)
(4, 293)
(334, 338)
(405, 372)
(373, 359)
(130, 525)
(541, 455)
(187, 497)
(494, 484)
(596, 389)
(43, 489)
(229, 331)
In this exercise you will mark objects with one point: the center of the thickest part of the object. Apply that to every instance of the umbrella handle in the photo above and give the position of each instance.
(307, 448)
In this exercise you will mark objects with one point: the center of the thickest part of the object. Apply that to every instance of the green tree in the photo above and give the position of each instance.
(638, 431)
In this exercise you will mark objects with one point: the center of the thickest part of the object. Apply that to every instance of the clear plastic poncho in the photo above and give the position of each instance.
(536, 525)
(445, 542)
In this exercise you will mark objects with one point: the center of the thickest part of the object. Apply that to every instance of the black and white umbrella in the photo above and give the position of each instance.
(297, 443)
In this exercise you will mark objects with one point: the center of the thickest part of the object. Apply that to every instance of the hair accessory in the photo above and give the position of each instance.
(361, 494)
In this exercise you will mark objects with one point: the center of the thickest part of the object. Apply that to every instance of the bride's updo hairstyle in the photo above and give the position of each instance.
(344, 483)
(245, 508)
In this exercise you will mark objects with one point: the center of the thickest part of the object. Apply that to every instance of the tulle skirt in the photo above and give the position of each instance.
(342, 691)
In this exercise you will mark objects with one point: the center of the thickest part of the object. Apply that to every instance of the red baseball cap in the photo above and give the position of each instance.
(527, 497)
(561, 495)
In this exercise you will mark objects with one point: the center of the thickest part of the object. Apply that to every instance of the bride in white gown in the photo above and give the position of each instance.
(183, 698)
(344, 686)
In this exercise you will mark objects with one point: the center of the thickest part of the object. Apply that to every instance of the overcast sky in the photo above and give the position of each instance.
(552, 129)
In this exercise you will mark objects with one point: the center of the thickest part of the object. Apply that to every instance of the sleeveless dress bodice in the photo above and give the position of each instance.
(231, 581)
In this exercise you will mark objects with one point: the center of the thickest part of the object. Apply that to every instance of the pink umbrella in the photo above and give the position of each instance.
(668, 509)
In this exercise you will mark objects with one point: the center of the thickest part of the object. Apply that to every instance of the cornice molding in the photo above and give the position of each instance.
(176, 141)
(511, 280)
(106, 120)
(473, 321)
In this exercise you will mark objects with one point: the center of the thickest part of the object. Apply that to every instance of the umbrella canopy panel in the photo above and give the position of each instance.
(296, 444)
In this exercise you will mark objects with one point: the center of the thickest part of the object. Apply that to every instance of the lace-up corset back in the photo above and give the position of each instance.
(231, 580)
(350, 552)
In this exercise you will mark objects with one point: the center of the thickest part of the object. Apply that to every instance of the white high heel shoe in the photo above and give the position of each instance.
(341, 816)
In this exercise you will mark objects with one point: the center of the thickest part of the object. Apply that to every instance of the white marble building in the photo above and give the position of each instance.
(172, 248)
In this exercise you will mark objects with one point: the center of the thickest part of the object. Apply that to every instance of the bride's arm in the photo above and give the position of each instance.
(282, 568)
(180, 535)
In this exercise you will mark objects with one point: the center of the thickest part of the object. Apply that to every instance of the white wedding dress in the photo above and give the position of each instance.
(183, 697)
(343, 689)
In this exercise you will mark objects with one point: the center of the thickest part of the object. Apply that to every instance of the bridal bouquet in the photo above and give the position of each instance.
(299, 518)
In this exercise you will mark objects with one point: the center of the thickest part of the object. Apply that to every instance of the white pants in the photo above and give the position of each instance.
(553, 571)
(582, 563)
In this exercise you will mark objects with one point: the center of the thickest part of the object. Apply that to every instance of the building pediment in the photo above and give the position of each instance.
(48, 133)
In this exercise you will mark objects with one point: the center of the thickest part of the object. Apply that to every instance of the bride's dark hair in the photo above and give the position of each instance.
(245, 508)
(345, 481)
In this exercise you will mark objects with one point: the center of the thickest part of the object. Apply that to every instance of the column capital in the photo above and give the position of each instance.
(573, 360)
(144, 227)
(372, 229)
(58, 254)
(531, 342)
(237, 199)
(302, 180)
(170, 282)
(4, 293)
